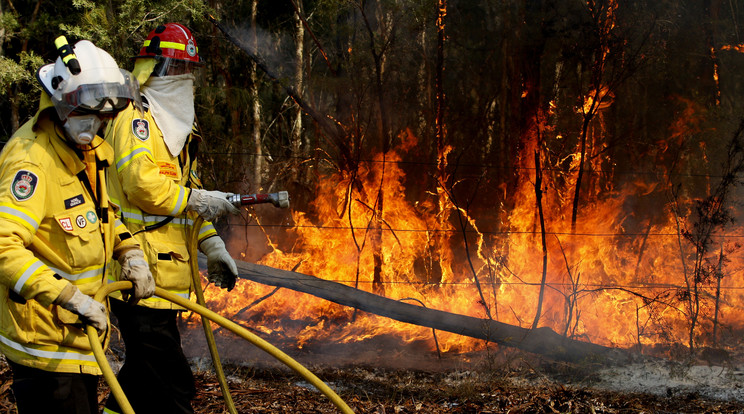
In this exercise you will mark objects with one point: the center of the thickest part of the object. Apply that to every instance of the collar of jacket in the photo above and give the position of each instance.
(45, 103)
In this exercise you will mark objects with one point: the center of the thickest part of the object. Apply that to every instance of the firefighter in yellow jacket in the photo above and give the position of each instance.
(154, 180)
(58, 233)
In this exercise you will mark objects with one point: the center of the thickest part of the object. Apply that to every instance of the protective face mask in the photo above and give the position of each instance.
(81, 129)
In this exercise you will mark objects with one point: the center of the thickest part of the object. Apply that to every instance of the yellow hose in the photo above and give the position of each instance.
(118, 393)
(199, 293)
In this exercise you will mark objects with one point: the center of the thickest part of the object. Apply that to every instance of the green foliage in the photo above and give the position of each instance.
(9, 23)
(118, 26)
(21, 72)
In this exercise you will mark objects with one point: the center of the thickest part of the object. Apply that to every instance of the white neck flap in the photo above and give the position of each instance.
(171, 100)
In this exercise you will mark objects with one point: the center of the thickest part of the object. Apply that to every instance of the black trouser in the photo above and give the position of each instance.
(155, 377)
(39, 391)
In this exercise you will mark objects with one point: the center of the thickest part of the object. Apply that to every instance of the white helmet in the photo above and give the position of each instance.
(87, 80)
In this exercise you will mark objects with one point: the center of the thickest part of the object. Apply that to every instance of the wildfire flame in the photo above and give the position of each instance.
(619, 278)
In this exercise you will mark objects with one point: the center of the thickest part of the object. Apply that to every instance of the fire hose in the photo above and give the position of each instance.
(278, 199)
(281, 200)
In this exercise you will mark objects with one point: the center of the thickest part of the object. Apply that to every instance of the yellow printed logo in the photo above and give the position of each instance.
(167, 169)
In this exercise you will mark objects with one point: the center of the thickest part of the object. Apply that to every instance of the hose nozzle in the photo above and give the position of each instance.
(280, 199)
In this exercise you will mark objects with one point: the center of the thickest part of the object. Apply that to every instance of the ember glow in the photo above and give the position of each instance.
(622, 277)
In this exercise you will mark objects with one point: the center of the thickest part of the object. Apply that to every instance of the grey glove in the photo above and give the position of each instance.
(134, 268)
(221, 268)
(91, 311)
(210, 205)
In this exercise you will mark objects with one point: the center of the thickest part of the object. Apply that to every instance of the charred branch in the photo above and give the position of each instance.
(542, 341)
(538, 198)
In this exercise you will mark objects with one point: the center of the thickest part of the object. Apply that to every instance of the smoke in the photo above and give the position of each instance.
(274, 49)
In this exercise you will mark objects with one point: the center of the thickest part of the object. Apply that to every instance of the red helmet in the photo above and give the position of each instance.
(171, 42)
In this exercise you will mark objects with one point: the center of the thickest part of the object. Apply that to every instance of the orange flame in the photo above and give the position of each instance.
(614, 279)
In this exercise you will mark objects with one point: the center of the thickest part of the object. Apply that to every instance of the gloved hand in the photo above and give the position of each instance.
(221, 268)
(90, 310)
(210, 205)
(135, 269)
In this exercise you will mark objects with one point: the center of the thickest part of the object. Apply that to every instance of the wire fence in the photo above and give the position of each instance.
(733, 236)
(479, 166)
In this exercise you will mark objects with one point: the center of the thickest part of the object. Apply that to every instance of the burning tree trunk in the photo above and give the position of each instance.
(604, 18)
(719, 276)
(296, 133)
(379, 57)
(538, 198)
(255, 107)
(543, 341)
(439, 239)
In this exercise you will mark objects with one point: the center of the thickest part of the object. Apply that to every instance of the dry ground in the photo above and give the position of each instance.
(368, 390)
(383, 376)
(375, 391)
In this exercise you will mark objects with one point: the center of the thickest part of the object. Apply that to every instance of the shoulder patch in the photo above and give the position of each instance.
(24, 185)
(141, 129)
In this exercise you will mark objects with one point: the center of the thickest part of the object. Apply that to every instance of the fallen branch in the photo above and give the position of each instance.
(543, 341)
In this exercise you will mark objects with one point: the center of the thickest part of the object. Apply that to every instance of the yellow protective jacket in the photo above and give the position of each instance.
(54, 230)
(152, 187)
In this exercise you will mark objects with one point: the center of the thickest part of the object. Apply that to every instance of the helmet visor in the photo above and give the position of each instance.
(103, 98)
(167, 66)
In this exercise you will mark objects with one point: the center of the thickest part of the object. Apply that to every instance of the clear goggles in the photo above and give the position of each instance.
(104, 98)
(167, 66)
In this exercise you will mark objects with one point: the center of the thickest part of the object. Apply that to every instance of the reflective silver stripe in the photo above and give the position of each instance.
(147, 219)
(177, 207)
(25, 275)
(127, 215)
(21, 215)
(204, 229)
(57, 355)
(132, 155)
(80, 276)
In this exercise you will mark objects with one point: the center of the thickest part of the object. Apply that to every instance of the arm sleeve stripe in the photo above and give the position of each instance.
(23, 217)
(41, 353)
(206, 229)
(179, 202)
(31, 268)
(131, 156)
(82, 277)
